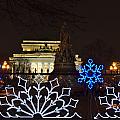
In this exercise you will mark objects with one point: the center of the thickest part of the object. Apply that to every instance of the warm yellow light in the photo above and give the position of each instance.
(5, 63)
(111, 67)
(76, 56)
(8, 66)
(115, 68)
(28, 50)
(114, 64)
(3, 66)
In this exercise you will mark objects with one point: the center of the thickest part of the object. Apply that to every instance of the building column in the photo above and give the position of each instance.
(39, 67)
(51, 67)
(45, 67)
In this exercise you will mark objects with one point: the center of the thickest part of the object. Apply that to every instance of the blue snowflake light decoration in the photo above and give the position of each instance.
(41, 100)
(90, 74)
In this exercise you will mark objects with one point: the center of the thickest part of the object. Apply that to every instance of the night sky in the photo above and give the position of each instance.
(103, 19)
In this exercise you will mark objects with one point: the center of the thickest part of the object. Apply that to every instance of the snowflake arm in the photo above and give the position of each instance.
(112, 101)
(29, 104)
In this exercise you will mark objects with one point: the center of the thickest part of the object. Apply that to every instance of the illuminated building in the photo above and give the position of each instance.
(40, 56)
(36, 56)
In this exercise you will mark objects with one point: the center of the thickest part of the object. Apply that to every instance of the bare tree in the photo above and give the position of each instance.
(100, 51)
(39, 13)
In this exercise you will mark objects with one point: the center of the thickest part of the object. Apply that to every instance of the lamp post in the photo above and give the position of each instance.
(5, 66)
(114, 67)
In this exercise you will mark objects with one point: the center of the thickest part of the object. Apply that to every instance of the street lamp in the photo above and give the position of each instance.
(114, 67)
(5, 65)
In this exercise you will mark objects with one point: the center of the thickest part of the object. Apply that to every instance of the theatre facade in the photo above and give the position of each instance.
(37, 56)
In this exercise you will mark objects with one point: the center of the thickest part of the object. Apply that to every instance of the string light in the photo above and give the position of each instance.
(90, 74)
(111, 104)
(45, 105)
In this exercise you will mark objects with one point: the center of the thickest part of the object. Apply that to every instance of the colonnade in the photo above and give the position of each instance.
(42, 67)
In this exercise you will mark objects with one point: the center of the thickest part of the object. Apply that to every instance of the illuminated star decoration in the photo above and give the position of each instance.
(44, 101)
(112, 102)
(90, 74)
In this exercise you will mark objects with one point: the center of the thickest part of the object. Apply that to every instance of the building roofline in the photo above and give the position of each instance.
(39, 41)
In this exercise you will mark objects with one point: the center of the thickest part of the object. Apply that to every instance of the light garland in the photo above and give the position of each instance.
(39, 103)
(112, 104)
(90, 74)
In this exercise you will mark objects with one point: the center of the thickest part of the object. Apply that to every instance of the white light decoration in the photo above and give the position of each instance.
(110, 101)
(45, 101)
(119, 83)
